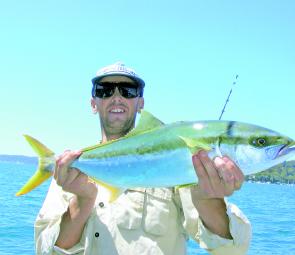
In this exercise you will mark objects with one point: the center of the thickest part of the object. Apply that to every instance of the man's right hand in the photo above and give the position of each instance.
(72, 179)
(85, 190)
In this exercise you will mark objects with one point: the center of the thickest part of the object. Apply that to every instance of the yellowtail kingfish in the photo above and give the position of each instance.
(157, 155)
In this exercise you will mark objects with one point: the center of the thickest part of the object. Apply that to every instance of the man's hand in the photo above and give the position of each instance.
(217, 179)
(81, 205)
(71, 179)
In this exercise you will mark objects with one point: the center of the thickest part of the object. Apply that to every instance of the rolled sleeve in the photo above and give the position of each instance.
(239, 225)
(47, 224)
(46, 234)
(77, 249)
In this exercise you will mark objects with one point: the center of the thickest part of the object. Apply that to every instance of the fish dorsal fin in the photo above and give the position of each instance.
(147, 122)
(194, 145)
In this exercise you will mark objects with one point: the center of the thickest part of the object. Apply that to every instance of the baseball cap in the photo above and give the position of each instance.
(118, 68)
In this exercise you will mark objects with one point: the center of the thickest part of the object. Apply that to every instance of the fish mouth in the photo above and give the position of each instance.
(287, 149)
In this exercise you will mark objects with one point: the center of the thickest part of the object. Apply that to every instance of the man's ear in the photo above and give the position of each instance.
(140, 104)
(93, 106)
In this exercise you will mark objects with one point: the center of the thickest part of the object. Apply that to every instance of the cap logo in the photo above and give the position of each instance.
(116, 68)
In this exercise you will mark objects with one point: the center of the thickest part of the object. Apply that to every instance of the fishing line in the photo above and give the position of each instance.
(234, 83)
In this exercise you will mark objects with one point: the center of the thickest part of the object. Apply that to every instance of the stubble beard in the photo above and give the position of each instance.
(117, 128)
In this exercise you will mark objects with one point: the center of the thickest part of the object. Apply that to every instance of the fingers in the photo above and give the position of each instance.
(62, 165)
(200, 170)
(57, 162)
(235, 171)
(210, 168)
(73, 173)
(217, 178)
(202, 174)
(226, 177)
(72, 179)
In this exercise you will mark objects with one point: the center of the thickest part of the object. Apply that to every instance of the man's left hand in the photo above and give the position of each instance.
(218, 178)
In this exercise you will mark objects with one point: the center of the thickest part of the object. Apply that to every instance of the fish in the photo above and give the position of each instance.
(154, 154)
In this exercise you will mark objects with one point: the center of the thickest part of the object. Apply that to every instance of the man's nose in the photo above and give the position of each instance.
(117, 96)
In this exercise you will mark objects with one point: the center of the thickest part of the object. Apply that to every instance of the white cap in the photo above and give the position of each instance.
(118, 69)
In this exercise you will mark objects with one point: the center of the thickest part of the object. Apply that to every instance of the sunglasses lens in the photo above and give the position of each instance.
(104, 91)
(107, 89)
(128, 91)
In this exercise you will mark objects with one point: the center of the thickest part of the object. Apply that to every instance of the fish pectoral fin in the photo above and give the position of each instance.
(195, 145)
(107, 191)
(184, 186)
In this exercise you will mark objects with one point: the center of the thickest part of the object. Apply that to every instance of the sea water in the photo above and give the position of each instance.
(269, 207)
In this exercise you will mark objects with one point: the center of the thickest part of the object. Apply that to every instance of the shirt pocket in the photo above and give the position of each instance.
(159, 210)
(151, 210)
(129, 209)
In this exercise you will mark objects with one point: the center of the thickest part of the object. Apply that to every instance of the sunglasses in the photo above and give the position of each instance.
(107, 89)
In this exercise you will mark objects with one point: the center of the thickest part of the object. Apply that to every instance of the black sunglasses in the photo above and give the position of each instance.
(107, 89)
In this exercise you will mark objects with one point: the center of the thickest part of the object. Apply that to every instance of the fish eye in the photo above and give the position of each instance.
(259, 142)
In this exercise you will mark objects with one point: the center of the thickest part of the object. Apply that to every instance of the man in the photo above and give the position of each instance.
(76, 218)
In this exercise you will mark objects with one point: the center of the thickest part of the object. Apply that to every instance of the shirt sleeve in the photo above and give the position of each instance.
(239, 225)
(47, 224)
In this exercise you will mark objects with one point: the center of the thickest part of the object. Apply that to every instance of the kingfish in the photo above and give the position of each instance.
(157, 155)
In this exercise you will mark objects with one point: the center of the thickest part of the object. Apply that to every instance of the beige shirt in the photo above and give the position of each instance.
(150, 221)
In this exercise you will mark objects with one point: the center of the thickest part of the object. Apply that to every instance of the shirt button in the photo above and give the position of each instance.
(96, 234)
(101, 204)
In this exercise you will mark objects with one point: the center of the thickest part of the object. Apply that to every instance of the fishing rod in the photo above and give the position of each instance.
(234, 83)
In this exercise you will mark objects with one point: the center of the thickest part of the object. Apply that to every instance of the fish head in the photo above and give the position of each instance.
(256, 148)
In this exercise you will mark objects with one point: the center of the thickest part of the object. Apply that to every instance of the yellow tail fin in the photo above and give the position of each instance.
(45, 166)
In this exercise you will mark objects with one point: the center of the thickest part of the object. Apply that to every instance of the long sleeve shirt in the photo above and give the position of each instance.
(141, 221)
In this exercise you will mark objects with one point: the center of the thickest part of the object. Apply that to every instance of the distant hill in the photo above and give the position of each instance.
(282, 173)
(18, 158)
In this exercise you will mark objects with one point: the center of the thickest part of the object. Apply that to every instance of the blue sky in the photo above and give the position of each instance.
(188, 52)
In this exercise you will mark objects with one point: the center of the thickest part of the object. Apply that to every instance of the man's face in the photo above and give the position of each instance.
(117, 113)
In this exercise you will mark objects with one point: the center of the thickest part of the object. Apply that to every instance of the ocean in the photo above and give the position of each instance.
(269, 207)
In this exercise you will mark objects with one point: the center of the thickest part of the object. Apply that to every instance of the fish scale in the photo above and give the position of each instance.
(162, 169)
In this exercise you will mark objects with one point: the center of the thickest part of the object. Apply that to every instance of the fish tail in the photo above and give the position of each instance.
(45, 166)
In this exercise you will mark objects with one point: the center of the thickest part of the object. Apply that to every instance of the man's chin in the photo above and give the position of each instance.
(118, 126)
(118, 123)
